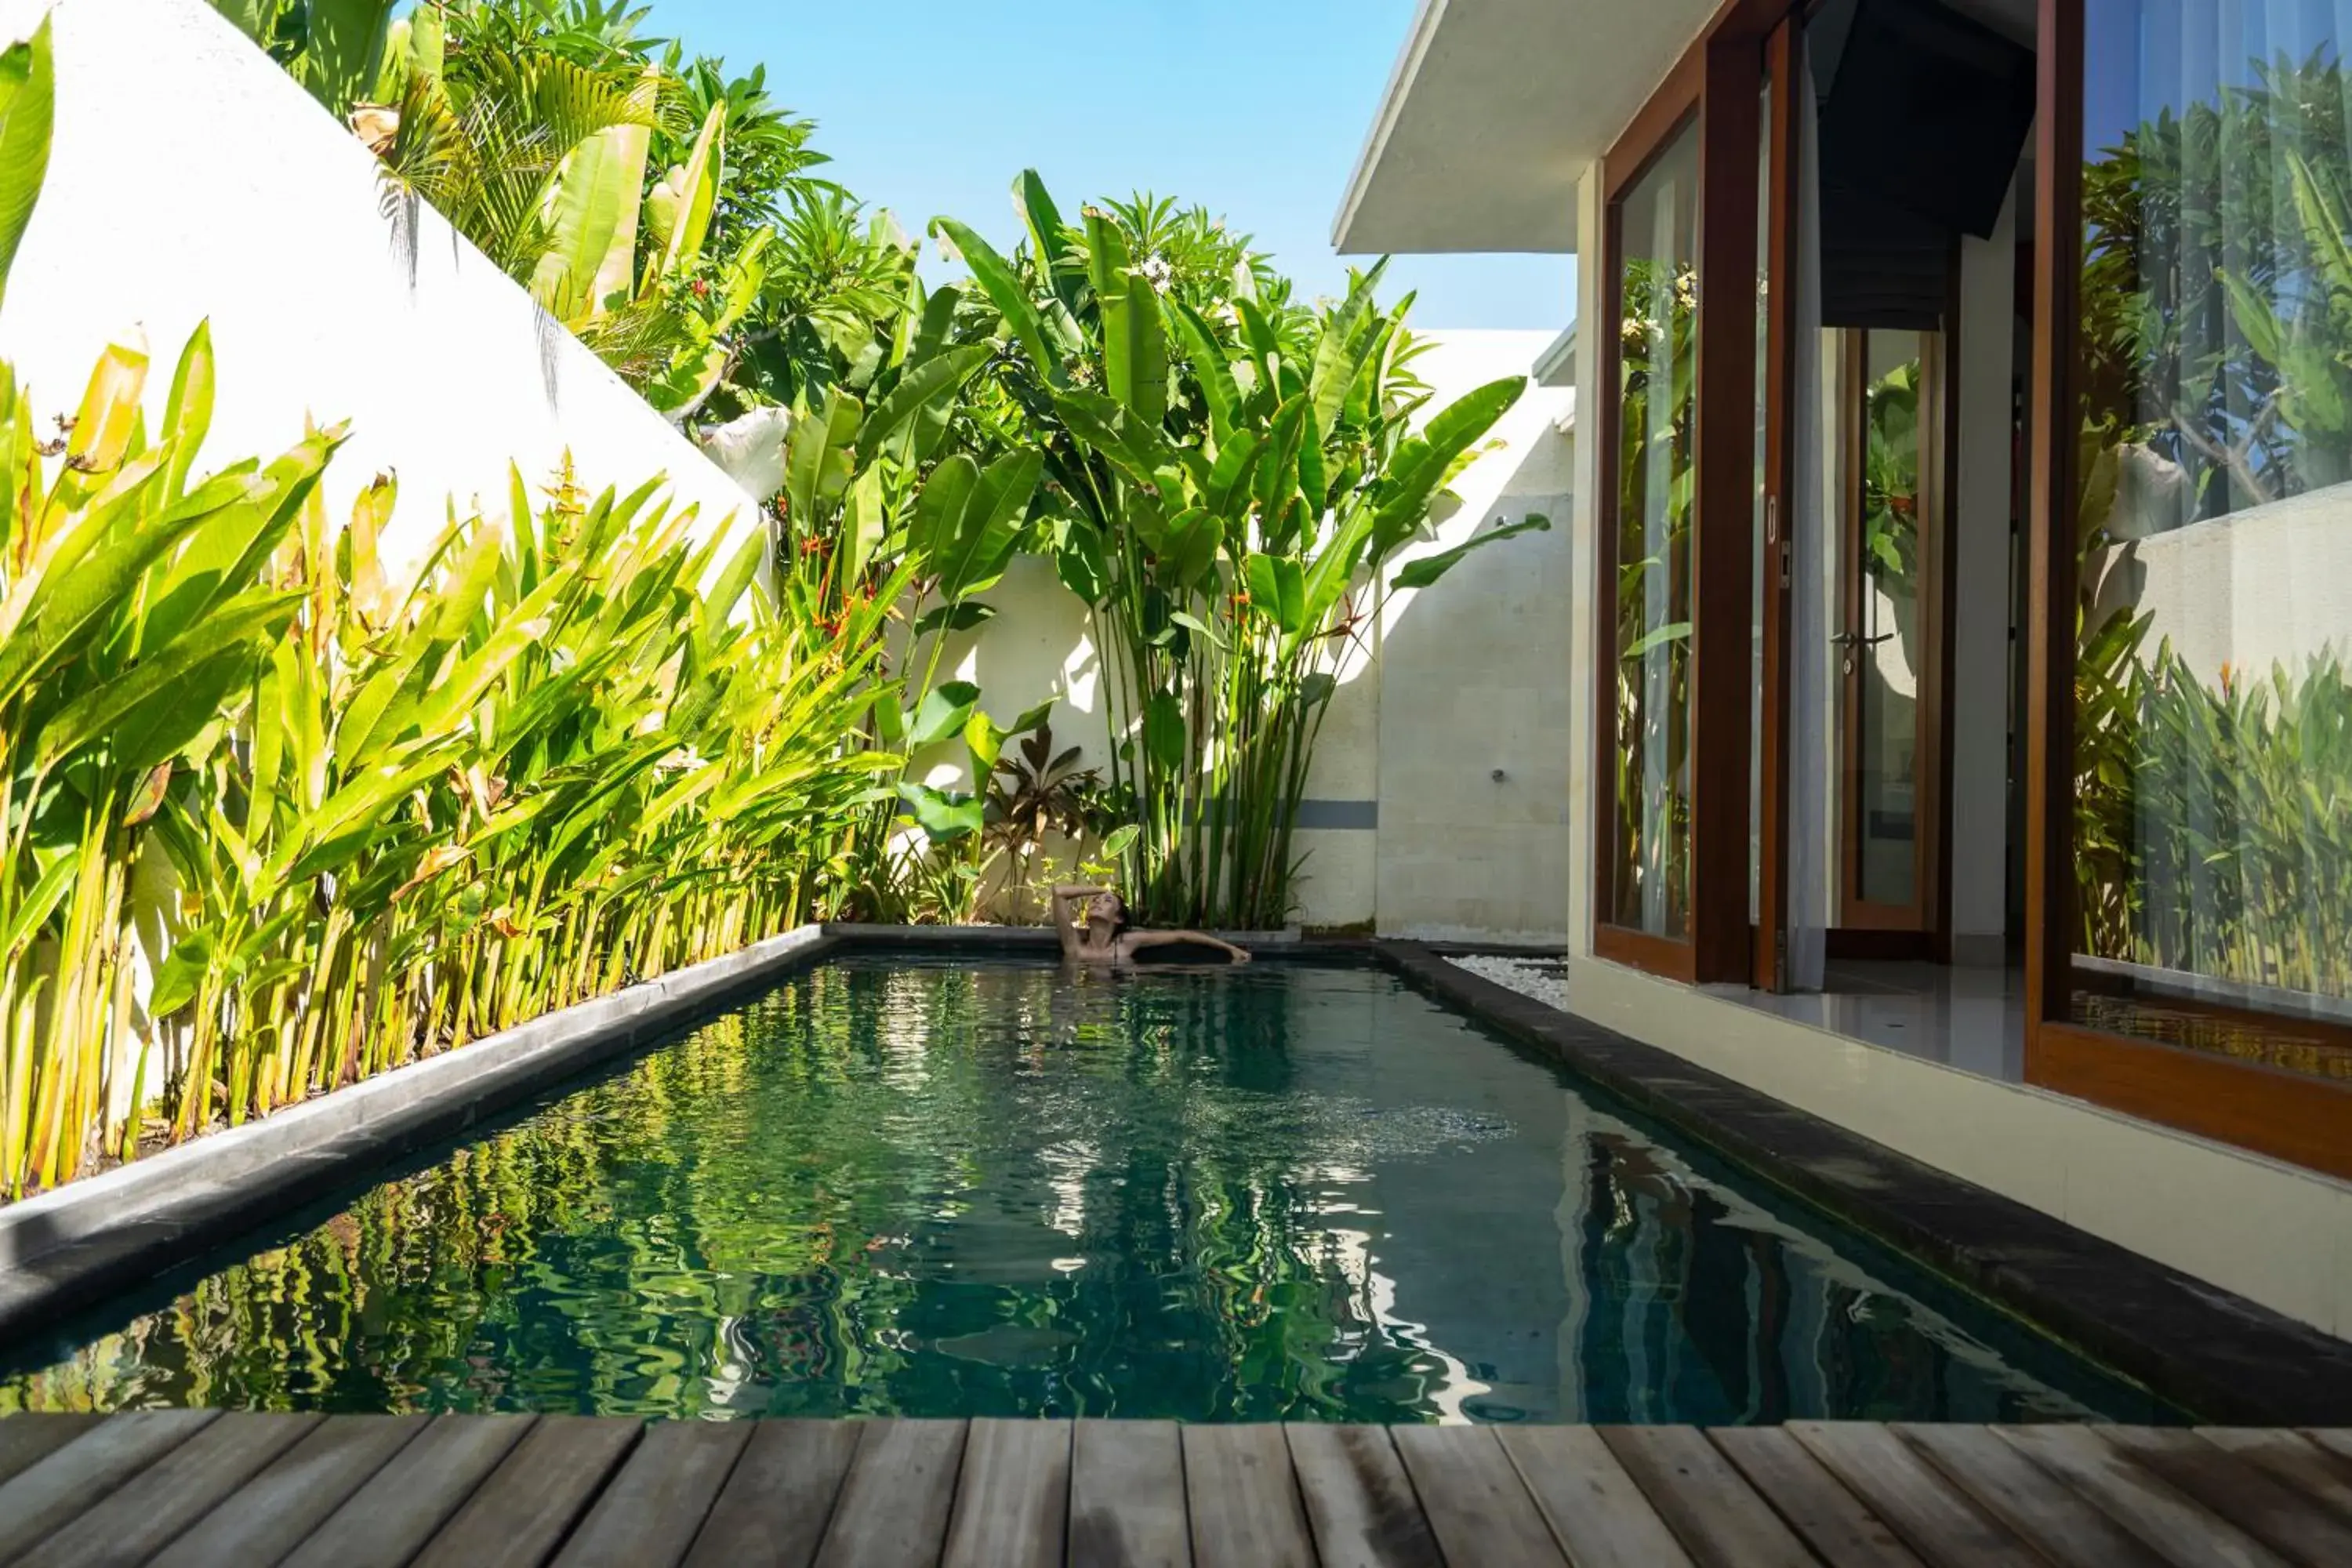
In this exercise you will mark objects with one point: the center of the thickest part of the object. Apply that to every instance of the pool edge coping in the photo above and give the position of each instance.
(2218, 1355)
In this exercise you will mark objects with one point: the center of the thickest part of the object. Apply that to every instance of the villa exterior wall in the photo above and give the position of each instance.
(192, 179)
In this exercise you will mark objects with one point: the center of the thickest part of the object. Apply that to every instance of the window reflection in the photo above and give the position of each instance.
(1657, 384)
(2212, 825)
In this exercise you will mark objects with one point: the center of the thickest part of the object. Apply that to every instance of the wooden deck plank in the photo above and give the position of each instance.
(1935, 1518)
(1707, 1504)
(45, 1496)
(2041, 1512)
(648, 1515)
(2293, 1459)
(523, 1510)
(387, 1522)
(774, 1508)
(29, 1437)
(1594, 1506)
(2336, 1440)
(2180, 1529)
(1477, 1507)
(142, 1515)
(1360, 1502)
(1243, 1500)
(2294, 1526)
(268, 1517)
(1127, 1496)
(1013, 1500)
(894, 1506)
(1815, 1504)
(199, 1490)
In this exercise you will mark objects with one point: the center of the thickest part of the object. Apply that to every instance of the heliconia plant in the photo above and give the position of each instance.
(347, 821)
(271, 820)
(133, 607)
(1231, 486)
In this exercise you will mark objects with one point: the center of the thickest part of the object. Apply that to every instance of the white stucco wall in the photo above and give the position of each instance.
(191, 178)
(1475, 673)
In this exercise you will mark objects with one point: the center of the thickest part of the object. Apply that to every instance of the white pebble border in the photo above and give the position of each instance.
(1523, 975)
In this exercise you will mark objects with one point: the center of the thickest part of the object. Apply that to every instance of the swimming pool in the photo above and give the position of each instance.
(957, 1186)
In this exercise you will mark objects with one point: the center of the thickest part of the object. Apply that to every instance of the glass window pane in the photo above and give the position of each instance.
(1658, 387)
(2212, 790)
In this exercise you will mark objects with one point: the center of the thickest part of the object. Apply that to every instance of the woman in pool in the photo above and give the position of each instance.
(1102, 937)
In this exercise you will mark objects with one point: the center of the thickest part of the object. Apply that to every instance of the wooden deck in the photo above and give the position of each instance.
(244, 1490)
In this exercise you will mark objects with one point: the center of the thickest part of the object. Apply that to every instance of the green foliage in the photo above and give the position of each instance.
(1225, 480)
(576, 750)
(2215, 305)
(28, 110)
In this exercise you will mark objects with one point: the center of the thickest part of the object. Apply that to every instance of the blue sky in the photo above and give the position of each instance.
(1255, 108)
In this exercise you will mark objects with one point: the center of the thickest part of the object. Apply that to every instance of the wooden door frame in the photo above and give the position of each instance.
(1769, 956)
(1669, 112)
(1720, 81)
(2291, 1116)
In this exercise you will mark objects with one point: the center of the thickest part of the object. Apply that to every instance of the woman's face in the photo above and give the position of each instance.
(1104, 910)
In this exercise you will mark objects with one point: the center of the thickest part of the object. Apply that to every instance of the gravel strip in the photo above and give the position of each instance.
(1544, 979)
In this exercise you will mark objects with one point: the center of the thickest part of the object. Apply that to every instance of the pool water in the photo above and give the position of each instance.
(952, 1187)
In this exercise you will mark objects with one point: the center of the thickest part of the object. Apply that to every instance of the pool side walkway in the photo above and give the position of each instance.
(200, 1487)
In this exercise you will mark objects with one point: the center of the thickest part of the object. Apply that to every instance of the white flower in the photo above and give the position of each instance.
(1158, 273)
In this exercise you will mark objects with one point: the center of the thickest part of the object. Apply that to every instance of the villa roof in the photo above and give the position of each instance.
(1492, 113)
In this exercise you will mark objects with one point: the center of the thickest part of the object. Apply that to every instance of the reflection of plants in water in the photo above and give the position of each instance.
(1658, 387)
(983, 1190)
(734, 1212)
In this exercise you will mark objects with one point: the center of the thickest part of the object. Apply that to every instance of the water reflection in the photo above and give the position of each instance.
(1276, 1193)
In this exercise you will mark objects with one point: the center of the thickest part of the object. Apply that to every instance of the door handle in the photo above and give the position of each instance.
(1850, 641)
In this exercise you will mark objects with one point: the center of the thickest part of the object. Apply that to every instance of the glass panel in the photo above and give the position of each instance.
(2212, 796)
(1887, 654)
(1657, 414)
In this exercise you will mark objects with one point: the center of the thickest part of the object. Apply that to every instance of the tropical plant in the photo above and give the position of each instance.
(28, 106)
(880, 516)
(1226, 490)
(1890, 481)
(343, 821)
(1038, 795)
(337, 48)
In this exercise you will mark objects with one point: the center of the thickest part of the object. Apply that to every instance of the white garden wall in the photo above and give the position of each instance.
(192, 178)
